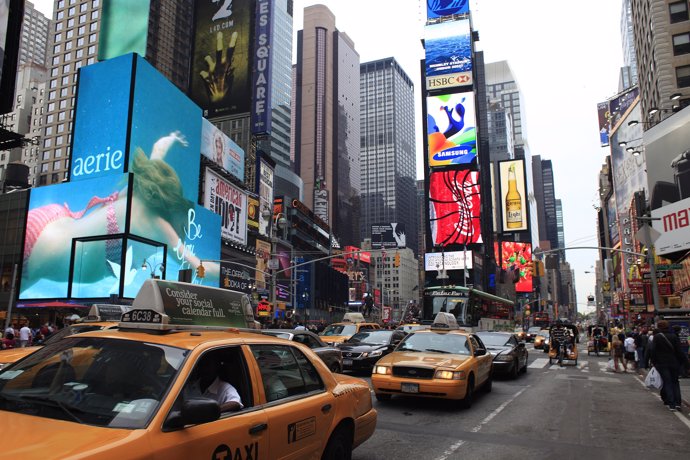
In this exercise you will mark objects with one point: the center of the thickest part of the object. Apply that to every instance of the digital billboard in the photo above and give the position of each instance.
(454, 208)
(222, 150)
(262, 73)
(265, 196)
(236, 278)
(441, 8)
(124, 28)
(253, 212)
(220, 80)
(513, 195)
(230, 203)
(99, 145)
(451, 129)
(517, 258)
(603, 116)
(448, 47)
(59, 213)
(448, 260)
(388, 235)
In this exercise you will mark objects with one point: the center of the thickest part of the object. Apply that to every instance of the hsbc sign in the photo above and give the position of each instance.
(673, 222)
(449, 81)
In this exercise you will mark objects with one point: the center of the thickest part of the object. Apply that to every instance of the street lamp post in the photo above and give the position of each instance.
(159, 266)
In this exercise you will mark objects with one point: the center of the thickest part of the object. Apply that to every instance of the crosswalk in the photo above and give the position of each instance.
(582, 365)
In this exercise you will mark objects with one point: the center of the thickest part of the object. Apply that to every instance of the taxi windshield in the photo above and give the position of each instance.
(94, 381)
(71, 330)
(375, 337)
(439, 343)
(340, 329)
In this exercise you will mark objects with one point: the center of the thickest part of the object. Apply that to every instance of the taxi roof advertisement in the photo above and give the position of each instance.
(451, 129)
(448, 55)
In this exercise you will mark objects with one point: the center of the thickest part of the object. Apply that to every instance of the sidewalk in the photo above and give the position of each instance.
(684, 386)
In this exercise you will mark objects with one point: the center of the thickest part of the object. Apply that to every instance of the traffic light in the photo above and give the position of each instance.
(200, 271)
(226, 281)
(396, 261)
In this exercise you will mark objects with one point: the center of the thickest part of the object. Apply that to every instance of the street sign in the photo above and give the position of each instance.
(647, 235)
(669, 267)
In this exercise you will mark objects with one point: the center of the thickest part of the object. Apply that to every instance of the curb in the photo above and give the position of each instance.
(643, 375)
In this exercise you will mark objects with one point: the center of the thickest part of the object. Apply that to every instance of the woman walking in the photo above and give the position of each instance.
(617, 353)
(668, 358)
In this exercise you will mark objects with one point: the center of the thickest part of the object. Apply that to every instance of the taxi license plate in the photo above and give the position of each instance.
(410, 387)
(347, 362)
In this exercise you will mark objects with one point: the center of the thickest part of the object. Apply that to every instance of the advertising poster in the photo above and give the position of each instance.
(262, 74)
(448, 260)
(513, 195)
(628, 170)
(441, 8)
(448, 47)
(61, 212)
(619, 106)
(263, 255)
(265, 197)
(603, 115)
(388, 235)
(101, 119)
(230, 203)
(222, 150)
(614, 234)
(220, 75)
(236, 278)
(124, 28)
(517, 258)
(451, 129)
(253, 212)
(454, 208)
(673, 223)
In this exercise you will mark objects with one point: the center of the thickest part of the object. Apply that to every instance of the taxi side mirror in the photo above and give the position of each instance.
(194, 411)
(479, 352)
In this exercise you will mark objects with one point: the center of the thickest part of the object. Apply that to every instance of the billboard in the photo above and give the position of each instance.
(448, 47)
(388, 235)
(99, 144)
(441, 8)
(674, 225)
(628, 170)
(517, 258)
(262, 73)
(265, 196)
(603, 116)
(263, 255)
(222, 150)
(513, 195)
(451, 129)
(253, 212)
(220, 82)
(454, 208)
(620, 105)
(449, 260)
(11, 18)
(230, 203)
(61, 212)
(236, 278)
(124, 28)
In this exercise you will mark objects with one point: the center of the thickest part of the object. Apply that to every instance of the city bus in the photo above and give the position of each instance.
(470, 306)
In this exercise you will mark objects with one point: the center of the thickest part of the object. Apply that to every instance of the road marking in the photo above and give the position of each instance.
(592, 379)
(539, 363)
(488, 418)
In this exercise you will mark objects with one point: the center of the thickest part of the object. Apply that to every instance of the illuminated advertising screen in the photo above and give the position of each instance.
(263, 255)
(454, 208)
(59, 213)
(388, 235)
(165, 134)
(441, 8)
(222, 150)
(448, 47)
(603, 116)
(236, 278)
(265, 196)
(517, 258)
(220, 72)
(447, 260)
(262, 74)
(253, 212)
(124, 28)
(513, 195)
(451, 129)
(230, 203)
(102, 119)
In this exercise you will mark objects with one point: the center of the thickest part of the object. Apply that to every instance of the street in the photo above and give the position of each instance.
(550, 412)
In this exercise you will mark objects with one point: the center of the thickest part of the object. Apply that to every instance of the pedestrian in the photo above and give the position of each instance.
(617, 353)
(24, 336)
(629, 354)
(641, 349)
(10, 330)
(8, 341)
(668, 358)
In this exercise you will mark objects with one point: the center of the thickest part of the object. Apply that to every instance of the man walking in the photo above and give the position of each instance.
(24, 336)
(668, 358)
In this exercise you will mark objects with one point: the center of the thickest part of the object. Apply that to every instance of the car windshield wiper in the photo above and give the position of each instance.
(436, 351)
(69, 410)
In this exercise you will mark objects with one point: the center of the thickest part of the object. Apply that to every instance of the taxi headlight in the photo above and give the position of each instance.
(503, 358)
(450, 375)
(383, 370)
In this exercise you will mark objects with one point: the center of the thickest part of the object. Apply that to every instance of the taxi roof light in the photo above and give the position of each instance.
(444, 320)
(353, 318)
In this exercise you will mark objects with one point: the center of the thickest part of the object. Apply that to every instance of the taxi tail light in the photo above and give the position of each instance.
(450, 375)
(383, 370)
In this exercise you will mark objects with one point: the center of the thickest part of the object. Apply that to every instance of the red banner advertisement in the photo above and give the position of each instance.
(517, 258)
(454, 207)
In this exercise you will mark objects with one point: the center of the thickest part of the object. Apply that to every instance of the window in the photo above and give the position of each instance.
(57, 165)
(678, 11)
(681, 44)
(683, 76)
(285, 371)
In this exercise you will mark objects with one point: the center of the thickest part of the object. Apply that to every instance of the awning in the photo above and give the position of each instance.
(52, 304)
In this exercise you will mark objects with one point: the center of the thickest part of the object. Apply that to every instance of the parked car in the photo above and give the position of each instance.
(362, 350)
(329, 355)
(510, 355)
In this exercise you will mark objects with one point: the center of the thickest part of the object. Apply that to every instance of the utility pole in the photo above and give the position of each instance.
(11, 302)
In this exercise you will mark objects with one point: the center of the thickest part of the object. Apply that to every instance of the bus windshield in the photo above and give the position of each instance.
(457, 306)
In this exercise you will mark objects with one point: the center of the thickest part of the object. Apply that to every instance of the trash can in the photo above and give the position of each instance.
(681, 174)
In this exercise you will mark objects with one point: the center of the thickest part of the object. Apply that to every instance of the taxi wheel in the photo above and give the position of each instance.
(339, 446)
(382, 396)
(466, 402)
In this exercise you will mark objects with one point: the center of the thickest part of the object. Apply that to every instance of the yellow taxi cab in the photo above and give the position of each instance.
(182, 377)
(410, 327)
(440, 362)
(99, 317)
(352, 324)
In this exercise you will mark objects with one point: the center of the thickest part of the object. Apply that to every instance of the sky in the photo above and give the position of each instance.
(565, 60)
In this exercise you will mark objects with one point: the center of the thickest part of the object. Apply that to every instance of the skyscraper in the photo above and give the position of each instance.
(387, 148)
(544, 192)
(559, 224)
(503, 96)
(33, 46)
(328, 123)
(628, 42)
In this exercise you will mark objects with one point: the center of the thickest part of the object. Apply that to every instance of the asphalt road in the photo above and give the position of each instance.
(574, 412)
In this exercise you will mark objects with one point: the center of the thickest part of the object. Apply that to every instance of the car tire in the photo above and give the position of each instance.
(515, 371)
(466, 402)
(339, 446)
(488, 385)
(524, 368)
(382, 397)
